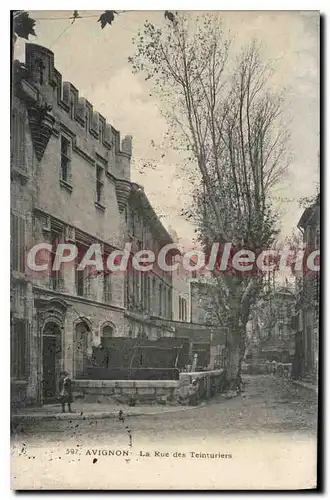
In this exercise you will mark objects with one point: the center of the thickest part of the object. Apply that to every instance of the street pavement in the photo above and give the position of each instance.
(268, 404)
(266, 438)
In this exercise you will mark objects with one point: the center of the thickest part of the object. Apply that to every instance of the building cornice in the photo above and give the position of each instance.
(76, 298)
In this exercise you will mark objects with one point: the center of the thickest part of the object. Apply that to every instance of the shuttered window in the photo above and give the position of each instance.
(18, 139)
(17, 243)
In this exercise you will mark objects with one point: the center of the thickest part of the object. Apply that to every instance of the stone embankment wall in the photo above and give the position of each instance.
(182, 391)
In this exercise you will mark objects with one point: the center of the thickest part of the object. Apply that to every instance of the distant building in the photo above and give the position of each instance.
(181, 293)
(308, 298)
(205, 311)
(181, 305)
(275, 329)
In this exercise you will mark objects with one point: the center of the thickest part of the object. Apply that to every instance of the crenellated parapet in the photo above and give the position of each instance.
(39, 62)
(54, 105)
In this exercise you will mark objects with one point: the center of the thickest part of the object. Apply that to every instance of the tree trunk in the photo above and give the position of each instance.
(235, 356)
(233, 366)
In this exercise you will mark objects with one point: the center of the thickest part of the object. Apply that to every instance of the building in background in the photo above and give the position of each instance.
(308, 299)
(274, 326)
(181, 305)
(148, 294)
(205, 310)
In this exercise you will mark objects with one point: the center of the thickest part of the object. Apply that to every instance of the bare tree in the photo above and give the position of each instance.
(228, 120)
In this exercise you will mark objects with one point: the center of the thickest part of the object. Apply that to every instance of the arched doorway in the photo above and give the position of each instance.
(51, 360)
(81, 358)
(107, 335)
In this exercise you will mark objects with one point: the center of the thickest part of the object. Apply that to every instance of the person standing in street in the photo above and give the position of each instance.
(65, 388)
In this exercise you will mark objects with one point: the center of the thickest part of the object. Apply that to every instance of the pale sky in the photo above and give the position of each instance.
(95, 61)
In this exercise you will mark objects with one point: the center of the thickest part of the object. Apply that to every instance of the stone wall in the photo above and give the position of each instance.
(152, 391)
(209, 382)
(126, 391)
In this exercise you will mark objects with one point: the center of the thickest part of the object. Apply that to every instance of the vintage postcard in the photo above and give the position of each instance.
(165, 250)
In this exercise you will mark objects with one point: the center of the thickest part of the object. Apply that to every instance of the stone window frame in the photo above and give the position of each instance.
(66, 159)
(82, 278)
(101, 131)
(18, 241)
(72, 107)
(160, 297)
(103, 326)
(107, 288)
(169, 293)
(56, 279)
(99, 186)
(183, 309)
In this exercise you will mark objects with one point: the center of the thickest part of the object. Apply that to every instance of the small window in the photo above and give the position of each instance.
(160, 308)
(56, 279)
(72, 108)
(99, 184)
(80, 282)
(101, 128)
(65, 159)
(41, 71)
(169, 304)
(107, 288)
(82, 277)
(184, 309)
(87, 121)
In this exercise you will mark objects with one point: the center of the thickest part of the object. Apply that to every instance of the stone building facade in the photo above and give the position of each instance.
(308, 298)
(181, 305)
(148, 294)
(181, 292)
(70, 174)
